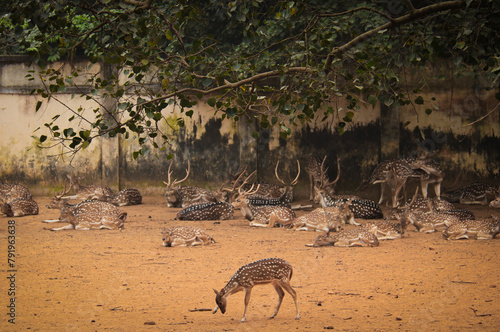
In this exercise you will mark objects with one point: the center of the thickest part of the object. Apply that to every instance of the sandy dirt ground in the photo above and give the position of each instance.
(126, 280)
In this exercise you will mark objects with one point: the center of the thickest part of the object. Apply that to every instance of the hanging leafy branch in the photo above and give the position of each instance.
(281, 62)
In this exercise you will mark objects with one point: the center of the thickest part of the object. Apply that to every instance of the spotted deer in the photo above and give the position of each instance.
(92, 214)
(473, 229)
(495, 203)
(474, 193)
(227, 190)
(207, 211)
(274, 271)
(178, 196)
(125, 197)
(428, 171)
(358, 237)
(185, 236)
(19, 207)
(9, 192)
(386, 230)
(92, 191)
(318, 178)
(325, 219)
(262, 215)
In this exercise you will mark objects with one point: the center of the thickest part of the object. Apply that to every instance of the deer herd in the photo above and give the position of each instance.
(270, 205)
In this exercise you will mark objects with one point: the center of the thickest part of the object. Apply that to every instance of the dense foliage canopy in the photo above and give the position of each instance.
(280, 62)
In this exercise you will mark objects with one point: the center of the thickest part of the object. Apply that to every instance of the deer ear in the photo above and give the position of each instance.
(216, 292)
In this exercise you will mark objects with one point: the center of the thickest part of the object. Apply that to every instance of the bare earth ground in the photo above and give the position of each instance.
(125, 280)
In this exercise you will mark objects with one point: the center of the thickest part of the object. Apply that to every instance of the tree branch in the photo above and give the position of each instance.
(394, 23)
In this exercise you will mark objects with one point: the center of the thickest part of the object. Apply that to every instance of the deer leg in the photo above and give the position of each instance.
(293, 293)
(382, 187)
(51, 220)
(248, 293)
(70, 226)
(281, 294)
(311, 188)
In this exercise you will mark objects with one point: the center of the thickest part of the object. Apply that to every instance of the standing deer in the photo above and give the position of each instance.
(184, 236)
(319, 179)
(178, 196)
(274, 271)
(93, 191)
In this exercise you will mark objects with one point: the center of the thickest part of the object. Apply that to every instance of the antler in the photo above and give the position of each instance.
(65, 191)
(323, 183)
(169, 182)
(294, 182)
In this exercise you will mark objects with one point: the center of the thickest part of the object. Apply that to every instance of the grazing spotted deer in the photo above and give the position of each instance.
(185, 236)
(178, 196)
(358, 237)
(318, 178)
(92, 214)
(19, 207)
(9, 192)
(207, 211)
(125, 197)
(473, 229)
(474, 193)
(274, 271)
(92, 191)
(262, 215)
(428, 171)
(325, 219)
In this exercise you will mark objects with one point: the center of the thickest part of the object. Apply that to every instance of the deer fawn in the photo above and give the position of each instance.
(178, 196)
(184, 236)
(275, 271)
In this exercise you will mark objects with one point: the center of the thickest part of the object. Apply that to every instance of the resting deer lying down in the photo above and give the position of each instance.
(357, 237)
(473, 229)
(184, 236)
(325, 219)
(19, 207)
(92, 215)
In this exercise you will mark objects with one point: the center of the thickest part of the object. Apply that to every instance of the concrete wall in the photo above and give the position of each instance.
(214, 146)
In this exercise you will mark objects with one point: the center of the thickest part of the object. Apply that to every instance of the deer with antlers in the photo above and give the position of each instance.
(178, 196)
(261, 215)
(92, 191)
(318, 178)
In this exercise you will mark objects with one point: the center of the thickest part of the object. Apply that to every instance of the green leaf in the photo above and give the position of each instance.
(428, 111)
(38, 105)
(419, 100)
(43, 138)
(372, 100)
(255, 134)
(207, 81)
(211, 102)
